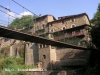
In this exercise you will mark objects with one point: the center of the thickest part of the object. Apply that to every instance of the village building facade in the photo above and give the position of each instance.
(69, 29)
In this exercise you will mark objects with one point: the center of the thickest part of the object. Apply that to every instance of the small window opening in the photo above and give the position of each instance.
(44, 56)
(52, 30)
(72, 19)
(43, 45)
(64, 28)
(40, 46)
(62, 22)
(81, 31)
(43, 26)
(51, 24)
(73, 33)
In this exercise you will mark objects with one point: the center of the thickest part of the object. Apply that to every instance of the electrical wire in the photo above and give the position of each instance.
(7, 14)
(8, 9)
(24, 7)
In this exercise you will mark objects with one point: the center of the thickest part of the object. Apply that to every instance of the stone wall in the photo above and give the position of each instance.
(35, 54)
(46, 73)
(43, 21)
(71, 57)
(31, 53)
(44, 56)
(6, 42)
(57, 72)
(67, 23)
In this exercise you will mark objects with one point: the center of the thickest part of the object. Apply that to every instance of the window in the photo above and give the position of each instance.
(52, 30)
(43, 45)
(73, 33)
(40, 46)
(44, 56)
(72, 20)
(73, 25)
(64, 28)
(65, 34)
(62, 22)
(43, 26)
(51, 24)
(81, 31)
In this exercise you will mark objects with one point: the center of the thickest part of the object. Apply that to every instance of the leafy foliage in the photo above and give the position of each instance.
(12, 64)
(96, 29)
(91, 71)
(94, 68)
(23, 22)
(96, 18)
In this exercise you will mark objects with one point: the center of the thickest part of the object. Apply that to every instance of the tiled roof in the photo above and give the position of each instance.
(67, 17)
(44, 16)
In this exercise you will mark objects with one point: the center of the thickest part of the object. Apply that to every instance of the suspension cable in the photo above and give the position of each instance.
(24, 7)
(8, 9)
(7, 14)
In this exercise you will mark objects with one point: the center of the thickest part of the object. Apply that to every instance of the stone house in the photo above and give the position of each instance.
(44, 51)
(67, 27)
(41, 22)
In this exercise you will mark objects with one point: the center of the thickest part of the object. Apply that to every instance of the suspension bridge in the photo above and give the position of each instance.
(14, 34)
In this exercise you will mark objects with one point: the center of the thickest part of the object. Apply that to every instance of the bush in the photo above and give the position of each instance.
(10, 65)
(92, 70)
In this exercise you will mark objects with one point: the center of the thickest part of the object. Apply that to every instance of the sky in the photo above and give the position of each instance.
(56, 8)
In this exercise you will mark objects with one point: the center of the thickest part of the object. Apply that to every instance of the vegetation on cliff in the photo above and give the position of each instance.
(94, 65)
(12, 66)
(96, 28)
(23, 22)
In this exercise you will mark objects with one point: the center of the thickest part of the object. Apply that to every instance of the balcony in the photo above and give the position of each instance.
(69, 35)
(39, 32)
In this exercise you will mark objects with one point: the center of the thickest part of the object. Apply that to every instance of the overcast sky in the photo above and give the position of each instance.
(53, 7)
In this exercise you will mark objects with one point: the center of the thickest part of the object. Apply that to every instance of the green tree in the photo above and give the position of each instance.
(96, 18)
(96, 28)
(94, 65)
(23, 22)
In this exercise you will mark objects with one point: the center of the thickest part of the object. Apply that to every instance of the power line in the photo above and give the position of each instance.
(4, 7)
(8, 9)
(24, 7)
(7, 14)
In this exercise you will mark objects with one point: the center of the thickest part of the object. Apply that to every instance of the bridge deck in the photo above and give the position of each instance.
(13, 34)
